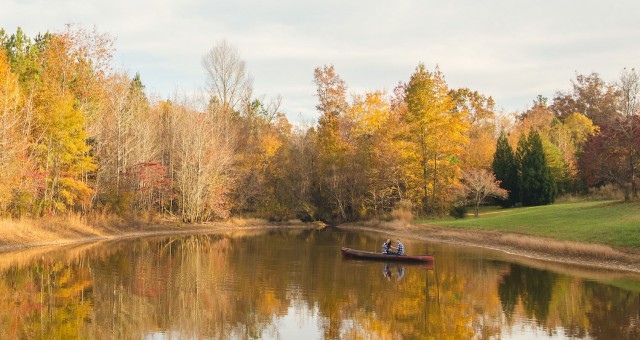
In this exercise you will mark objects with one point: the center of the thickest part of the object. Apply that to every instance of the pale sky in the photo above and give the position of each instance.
(511, 50)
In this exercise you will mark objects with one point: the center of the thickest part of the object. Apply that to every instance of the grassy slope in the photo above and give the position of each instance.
(612, 223)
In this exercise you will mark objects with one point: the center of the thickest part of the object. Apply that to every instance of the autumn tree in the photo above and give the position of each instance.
(265, 132)
(331, 189)
(438, 133)
(125, 137)
(612, 155)
(376, 180)
(561, 140)
(480, 184)
(590, 96)
(204, 147)
(59, 134)
(14, 163)
(479, 115)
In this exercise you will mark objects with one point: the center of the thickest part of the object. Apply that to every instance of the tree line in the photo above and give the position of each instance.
(77, 135)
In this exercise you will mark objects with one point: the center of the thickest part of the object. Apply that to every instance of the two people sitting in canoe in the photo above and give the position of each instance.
(387, 248)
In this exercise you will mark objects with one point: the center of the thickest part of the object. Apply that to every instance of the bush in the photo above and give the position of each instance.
(458, 211)
(21, 204)
(307, 213)
(606, 192)
(276, 212)
(403, 212)
(119, 203)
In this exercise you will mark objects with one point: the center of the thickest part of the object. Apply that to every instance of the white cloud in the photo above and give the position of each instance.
(512, 50)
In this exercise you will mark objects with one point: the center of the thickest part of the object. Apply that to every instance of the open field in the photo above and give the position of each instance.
(603, 222)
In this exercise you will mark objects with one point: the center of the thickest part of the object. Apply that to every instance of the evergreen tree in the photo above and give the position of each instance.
(537, 184)
(506, 170)
(521, 150)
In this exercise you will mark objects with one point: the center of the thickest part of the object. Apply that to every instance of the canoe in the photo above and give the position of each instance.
(348, 252)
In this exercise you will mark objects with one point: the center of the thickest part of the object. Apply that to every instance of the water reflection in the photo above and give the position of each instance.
(283, 284)
(528, 286)
(389, 274)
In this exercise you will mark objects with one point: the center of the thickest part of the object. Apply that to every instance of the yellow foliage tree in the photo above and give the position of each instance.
(438, 133)
(12, 132)
(59, 136)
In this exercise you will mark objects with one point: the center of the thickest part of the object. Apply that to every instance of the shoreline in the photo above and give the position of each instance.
(124, 234)
(541, 249)
(522, 246)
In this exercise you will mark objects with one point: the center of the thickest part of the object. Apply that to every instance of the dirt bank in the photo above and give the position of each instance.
(591, 255)
(73, 236)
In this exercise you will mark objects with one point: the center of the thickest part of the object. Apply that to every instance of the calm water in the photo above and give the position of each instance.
(294, 284)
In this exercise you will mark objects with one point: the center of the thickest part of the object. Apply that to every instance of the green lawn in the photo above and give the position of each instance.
(605, 222)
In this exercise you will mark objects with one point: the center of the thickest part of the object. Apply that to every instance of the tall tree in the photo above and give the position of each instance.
(125, 136)
(536, 182)
(333, 144)
(479, 115)
(506, 171)
(377, 178)
(13, 135)
(590, 96)
(204, 156)
(228, 80)
(59, 134)
(438, 132)
(612, 156)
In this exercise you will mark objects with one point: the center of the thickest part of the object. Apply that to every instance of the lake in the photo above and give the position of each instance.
(294, 284)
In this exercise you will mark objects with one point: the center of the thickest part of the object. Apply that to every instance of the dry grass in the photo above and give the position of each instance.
(27, 230)
(535, 244)
(247, 222)
(565, 248)
(68, 227)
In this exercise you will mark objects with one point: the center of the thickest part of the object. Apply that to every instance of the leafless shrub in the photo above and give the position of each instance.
(606, 192)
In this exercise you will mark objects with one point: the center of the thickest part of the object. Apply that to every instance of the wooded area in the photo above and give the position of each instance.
(78, 135)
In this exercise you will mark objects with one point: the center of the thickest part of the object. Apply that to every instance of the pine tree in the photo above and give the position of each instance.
(506, 170)
(537, 184)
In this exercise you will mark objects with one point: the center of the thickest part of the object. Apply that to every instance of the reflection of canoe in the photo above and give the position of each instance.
(384, 257)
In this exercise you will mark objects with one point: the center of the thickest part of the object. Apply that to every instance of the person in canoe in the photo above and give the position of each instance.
(399, 248)
(386, 247)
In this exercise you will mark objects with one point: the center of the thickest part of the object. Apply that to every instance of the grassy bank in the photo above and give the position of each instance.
(604, 222)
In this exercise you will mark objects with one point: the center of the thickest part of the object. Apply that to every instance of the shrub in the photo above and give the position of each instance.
(606, 192)
(458, 211)
(403, 212)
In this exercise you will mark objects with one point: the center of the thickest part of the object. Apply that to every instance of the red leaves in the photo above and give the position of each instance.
(149, 180)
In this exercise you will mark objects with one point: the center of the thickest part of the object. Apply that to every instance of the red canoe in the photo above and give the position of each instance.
(384, 257)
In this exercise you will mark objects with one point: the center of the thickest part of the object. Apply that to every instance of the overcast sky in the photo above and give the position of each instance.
(512, 50)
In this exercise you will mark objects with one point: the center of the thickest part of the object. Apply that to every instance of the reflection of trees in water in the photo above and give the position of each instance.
(611, 303)
(47, 299)
(531, 286)
(186, 286)
(237, 285)
(581, 308)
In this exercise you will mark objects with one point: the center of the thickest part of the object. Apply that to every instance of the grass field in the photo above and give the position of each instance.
(605, 222)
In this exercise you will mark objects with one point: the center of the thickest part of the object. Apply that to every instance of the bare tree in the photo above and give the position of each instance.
(480, 184)
(628, 121)
(229, 83)
(204, 152)
(125, 134)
